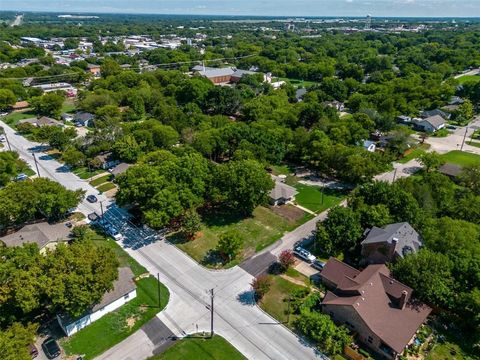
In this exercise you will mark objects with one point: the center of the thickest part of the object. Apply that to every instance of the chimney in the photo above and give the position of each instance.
(403, 299)
(391, 252)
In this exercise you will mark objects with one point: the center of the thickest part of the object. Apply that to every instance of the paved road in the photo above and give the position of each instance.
(18, 21)
(236, 317)
(468, 73)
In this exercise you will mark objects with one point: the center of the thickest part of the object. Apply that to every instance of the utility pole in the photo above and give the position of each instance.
(394, 175)
(211, 312)
(323, 190)
(158, 287)
(36, 164)
(8, 142)
(464, 136)
(101, 207)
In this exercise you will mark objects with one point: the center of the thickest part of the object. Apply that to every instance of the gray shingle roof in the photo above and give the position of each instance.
(282, 191)
(436, 121)
(214, 72)
(122, 286)
(408, 240)
(40, 233)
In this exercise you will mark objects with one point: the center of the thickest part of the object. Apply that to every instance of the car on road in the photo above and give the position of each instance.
(2, 138)
(110, 230)
(318, 265)
(51, 348)
(304, 254)
(451, 127)
(92, 199)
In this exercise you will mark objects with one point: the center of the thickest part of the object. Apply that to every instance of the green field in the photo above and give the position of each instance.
(68, 106)
(262, 229)
(118, 325)
(105, 187)
(310, 197)
(297, 82)
(461, 158)
(414, 154)
(216, 348)
(469, 78)
(83, 172)
(100, 180)
(13, 118)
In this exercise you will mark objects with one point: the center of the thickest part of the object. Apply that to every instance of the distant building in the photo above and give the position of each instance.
(94, 69)
(369, 145)
(21, 105)
(84, 119)
(435, 112)
(124, 290)
(300, 93)
(372, 304)
(222, 75)
(43, 234)
(338, 105)
(430, 124)
(106, 160)
(68, 88)
(392, 242)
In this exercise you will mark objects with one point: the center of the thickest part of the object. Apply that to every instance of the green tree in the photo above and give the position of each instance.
(260, 285)
(91, 272)
(322, 330)
(191, 223)
(7, 98)
(244, 185)
(431, 161)
(110, 68)
(375, 215)
(49, 104)
(470, 177)
(73, 157)
(430, 274)
(466, 110)
(15, 341)
(229, 243)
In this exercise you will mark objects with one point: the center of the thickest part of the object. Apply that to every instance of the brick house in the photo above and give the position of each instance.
(392, 242)
(373, 305)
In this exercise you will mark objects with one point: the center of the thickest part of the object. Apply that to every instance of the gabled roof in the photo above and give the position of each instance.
(120, 169)
(43, 121)
(40, 233)
(436, 121)
(122, 286)
(215, 72)
(430, 113)
(377, 299)
(83, 116)
(450, 169)
(282, 191)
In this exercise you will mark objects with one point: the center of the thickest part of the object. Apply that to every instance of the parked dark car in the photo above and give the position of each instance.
(33, 351)
(317, 264)
(92, 198)
(51, 348)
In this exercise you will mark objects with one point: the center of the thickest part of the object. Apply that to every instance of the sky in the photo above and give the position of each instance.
(393, 8)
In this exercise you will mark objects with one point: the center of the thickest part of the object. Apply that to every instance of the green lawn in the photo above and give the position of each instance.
(414, 154)
(310, 197)
(100, 180)
(68, 106)
(262, 229)
(461, 158)
(105, 187)
(113, 327)
(282, 169)
(83, 172)
(274, 301)
(469, 78)
(13, 118)
(216, 348)
(474, 143)
(297, 82)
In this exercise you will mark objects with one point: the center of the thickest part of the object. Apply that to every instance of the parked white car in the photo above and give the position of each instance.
(304, 254)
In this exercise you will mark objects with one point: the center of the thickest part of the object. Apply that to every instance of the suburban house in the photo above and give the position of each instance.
(42, 121)
(435, 112)
(430, 124)
(338, 105)
(378, 309)
(94, 69)
(45, 235)
(106, 161)
(300, 93)
(119, 169)
(369, 145)
(391, 242)
(456, 100)
(450, 170)
(281, 193)
(124, 290)
(222, 75)
(67, 117)
(20, 105)
(83, 119)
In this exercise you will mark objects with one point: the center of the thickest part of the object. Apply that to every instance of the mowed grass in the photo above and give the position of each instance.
(216, 348)
(469, 79)
(310, 197)
(414, 154)
(83, 172)
(100, 180)
(461, 158)
(297, 82)
(275, 301)
(105, 187)
(113, 328)
(258, 231)
(13, 118)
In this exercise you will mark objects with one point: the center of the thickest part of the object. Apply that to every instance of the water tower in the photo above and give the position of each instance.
(368, 22)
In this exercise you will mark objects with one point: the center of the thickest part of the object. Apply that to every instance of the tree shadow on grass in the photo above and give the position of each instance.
(221, 217)
(213, 258)
(177, 238)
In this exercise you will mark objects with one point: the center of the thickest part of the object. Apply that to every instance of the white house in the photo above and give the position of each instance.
(124, 290)
(369, 145)
(430, 124)
(281, 193)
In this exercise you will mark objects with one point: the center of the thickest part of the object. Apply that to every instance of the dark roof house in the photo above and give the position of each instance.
(378, 308)
(84, 118)
(436, 112)
(282, 193)
(120, 169)
(42, 121)
(391, 242)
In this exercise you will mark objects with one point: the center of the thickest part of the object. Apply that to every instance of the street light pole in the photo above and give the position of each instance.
(158, 288)
(211, 312)
(8, 142)
(464, 137)
(101, 207)
(36, 164)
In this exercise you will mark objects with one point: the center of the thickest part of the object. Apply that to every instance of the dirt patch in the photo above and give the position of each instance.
(288, 211)
(131, 321)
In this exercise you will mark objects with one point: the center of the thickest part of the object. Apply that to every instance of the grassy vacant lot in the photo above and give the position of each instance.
(461, 158)
(100, 180)
(118, 325)
(13, 118)
(310, 197)
(262, 229)
(275, 301)
(469, 78)
(216, 348)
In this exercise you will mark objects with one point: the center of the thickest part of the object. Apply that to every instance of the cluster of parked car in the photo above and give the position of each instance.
(308, 257)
